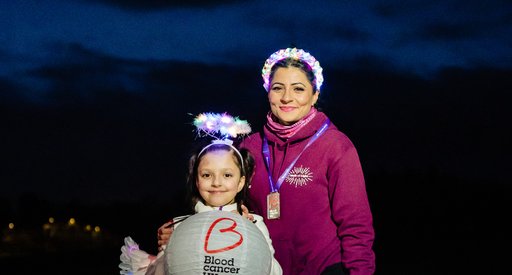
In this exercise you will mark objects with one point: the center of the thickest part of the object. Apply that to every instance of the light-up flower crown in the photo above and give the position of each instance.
(294, 53)
(222, 127)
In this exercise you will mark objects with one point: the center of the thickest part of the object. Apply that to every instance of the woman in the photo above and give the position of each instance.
(308, 182)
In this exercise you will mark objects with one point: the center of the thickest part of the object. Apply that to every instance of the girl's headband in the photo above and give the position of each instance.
(221, 127)
(226, 142)
(294, 53)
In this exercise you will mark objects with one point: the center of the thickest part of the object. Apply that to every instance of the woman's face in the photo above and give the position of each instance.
(291, 95)
(218, 178)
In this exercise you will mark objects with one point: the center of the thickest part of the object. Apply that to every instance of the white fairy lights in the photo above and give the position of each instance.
(294, 53)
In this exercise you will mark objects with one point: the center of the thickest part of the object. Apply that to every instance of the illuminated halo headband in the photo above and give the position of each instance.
(226, 126)
(295, 54)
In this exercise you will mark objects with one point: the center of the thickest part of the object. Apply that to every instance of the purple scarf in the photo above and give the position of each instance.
(286, 132)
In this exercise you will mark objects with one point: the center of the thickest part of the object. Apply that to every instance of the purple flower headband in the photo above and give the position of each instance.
(295, 54)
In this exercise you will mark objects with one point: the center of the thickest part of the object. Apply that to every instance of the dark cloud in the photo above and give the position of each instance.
(307, 31)
(3, 54)
(324, 22)
(449, 31)
(470, 28)
(438, 9)
(9, 91)
(81, 73)
(141, 5)
(450, 20)
(394, 9)
(348, 34)
(420, 35)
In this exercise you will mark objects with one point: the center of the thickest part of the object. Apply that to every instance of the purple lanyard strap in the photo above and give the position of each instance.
(266, 154)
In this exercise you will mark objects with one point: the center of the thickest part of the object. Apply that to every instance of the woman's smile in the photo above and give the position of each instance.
(287, 108)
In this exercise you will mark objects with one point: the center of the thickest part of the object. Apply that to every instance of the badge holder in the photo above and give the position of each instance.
(273, 206)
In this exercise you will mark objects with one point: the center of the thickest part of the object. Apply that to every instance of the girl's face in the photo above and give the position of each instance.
(291, 95)
(218, 178)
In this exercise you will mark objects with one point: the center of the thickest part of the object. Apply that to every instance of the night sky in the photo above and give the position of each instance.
(97, 99)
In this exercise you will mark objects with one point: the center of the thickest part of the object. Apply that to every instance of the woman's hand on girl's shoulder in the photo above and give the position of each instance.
(164, 234)
(246, 214)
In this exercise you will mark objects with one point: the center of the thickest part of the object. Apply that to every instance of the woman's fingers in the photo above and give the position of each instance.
(164, 233)
(246, 214)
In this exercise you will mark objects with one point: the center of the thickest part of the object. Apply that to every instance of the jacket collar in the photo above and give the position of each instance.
(310, 129)
(201, 207)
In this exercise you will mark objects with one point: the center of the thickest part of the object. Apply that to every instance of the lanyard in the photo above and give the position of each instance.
(266, 154)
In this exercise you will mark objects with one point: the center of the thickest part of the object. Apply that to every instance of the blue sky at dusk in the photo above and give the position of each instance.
(97, 91)
(410, 35)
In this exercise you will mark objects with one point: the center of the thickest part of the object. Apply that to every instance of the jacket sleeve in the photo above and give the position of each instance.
(351, 209)
(276, 267)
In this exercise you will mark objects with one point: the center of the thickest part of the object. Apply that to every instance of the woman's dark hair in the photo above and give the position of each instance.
(297, 63)
(246, 171)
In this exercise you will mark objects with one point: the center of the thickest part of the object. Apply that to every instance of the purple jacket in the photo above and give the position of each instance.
(325, 215)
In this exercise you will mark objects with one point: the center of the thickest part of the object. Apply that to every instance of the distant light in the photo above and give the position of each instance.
(72, 221)
(97, 229)
(11, 226)
(47, 226)
(88, 227)
(51, 220)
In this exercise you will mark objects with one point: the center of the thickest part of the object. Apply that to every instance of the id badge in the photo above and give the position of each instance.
(273, 206)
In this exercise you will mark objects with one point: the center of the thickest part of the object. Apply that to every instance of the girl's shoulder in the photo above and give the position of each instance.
(177, 220)
(260, 224)
(257, 218)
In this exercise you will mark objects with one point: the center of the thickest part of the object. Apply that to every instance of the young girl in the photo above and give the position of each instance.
(218, 179)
